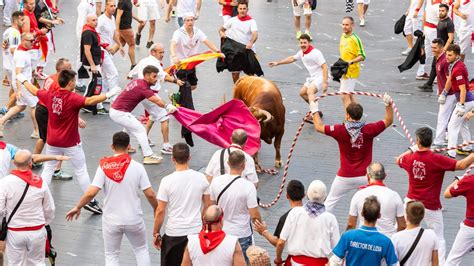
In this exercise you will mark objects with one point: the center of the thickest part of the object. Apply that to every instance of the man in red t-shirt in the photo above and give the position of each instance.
(355, 139)
(63, 126)
(462, 186)
(458, 83)
(425, 177)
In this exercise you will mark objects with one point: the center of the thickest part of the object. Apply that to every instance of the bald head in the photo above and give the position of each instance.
(23, 159)
(212, 214)
(158, 51)
(376, 171)
(239, 137)
(92, 20)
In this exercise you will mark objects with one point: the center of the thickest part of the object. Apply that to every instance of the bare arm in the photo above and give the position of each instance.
(158, 101)
(449, 41)
(174, 59)
(86, 198)
(351, 222)
(388, 120)
(401, 223)
(255, 214)
(318, 123)
(211, 45)
(434, 258)
(325, 76)
(253, 39)
(456, 6)
(206, 202)
(447, 192)
(288, 60)
(222, 32)
(30, 87)
(88, 54)
(198, 7)
(279, 249)
(151, 197)
(159, 219)
(462, 94)
(118, 18)
(238, 257)
(93, 100)
(358, 59)
(38, 158)
(262, 229)
(465, 163)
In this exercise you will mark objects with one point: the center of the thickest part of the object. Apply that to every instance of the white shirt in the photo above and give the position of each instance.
(240, 31)
(6, 158)
(432, 12)
(222, 255)
(468, 9)
(391, 207)
(403, 240)
(84, 8)
(236, 202)
(185, 6)
(36, 209)
(310, 236)
(313, 62)
(11, 36)
(137, 71)
(122, 204)
(22, 59)
(106, 28)
(183, 191)
(214, 167)
(187, 46)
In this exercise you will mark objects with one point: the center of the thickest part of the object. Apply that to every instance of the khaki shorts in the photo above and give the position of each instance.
(126, 37)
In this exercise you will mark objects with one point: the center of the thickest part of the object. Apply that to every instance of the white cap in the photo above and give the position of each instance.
(188, 14)
(317, 191)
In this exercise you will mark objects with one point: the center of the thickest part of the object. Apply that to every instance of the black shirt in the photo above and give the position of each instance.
(444, 27)
(126, 19)
(280, 224)
(90, 38)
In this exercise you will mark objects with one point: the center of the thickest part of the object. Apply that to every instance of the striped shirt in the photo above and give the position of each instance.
(351, 47)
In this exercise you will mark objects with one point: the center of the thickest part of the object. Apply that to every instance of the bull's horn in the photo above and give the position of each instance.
(267, 115)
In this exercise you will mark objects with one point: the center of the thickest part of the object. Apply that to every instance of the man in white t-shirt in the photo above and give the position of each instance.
(426, 251)
(392, 214)
(238, 200)
(122, 179)
(148, 11)
(182, 8)
(305, 248)
(183, 194)
(220, 157)
(156, 113)
(185, 43)
(465, 10)
(430, 19)
(316, 65)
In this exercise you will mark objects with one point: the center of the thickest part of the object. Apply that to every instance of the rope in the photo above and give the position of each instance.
(308, 116)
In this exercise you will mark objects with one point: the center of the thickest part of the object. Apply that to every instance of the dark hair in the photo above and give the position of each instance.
(236, 159)
(305, 36)
(355, 110)
(181, 152)
(65, 77)
(438, 41)
(150, 69)
(17, 14)
(454, 48)
(349, 18)
(60, 63)
(425, 136)
(295, 190)
(121, 140)
(444, 5)
(415, 212)
(243, 2)
(371, 209)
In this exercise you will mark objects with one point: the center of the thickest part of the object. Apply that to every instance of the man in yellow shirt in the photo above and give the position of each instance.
(351, 51)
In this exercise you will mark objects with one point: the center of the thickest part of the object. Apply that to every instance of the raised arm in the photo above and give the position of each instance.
(288, 60)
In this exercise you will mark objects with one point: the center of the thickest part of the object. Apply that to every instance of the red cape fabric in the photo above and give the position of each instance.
(29, 177)
(217, 126)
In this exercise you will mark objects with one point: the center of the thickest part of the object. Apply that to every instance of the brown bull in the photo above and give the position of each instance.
(265, 102)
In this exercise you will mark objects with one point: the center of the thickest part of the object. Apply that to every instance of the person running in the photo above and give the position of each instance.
(183, 7)
(122, 179)
(228, 9)
(302, 7)
(123, 22)
(355, 139)
(84, 9)
(413, 22)
(465, 10)
(362, 7)
(148, 12)
(121, 110)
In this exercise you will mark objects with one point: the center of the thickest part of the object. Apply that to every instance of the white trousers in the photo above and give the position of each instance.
(340, 187)
(136, 235)
(458, 124)
(78, 161)
(26, 247)
(463, 244)
(134, 127)
(8, 9)
(434, 221)
(444, 113)
(110, 77)
(430, 35)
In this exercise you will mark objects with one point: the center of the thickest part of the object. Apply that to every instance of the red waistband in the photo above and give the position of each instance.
(28, 228)
(430, 25)
(469, 222)
(305, 260)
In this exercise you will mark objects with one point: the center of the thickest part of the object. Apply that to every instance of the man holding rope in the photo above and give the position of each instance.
(355, 139)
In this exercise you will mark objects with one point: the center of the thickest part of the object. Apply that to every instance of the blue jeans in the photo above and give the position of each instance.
(245, 243)
(180, 21)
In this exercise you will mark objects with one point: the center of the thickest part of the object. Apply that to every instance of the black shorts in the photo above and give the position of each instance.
(41, 114)
(172, 249)
(188, 75)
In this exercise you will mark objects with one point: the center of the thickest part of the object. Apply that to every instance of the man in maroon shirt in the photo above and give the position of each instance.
(425, 177)
(355, 139)
(63, 126)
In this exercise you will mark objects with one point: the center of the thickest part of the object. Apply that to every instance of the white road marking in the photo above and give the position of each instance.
(360, 83)
(399, 133)
(368, 33)
(431, 113)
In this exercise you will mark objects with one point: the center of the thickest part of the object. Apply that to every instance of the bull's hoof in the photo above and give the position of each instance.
(278, 164)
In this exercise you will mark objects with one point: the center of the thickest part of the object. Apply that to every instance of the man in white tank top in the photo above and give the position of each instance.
(212, 246)
(465, 10)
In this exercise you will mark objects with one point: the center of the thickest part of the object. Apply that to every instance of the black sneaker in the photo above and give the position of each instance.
(37, 165)
(149, 44)
(80, 88)
(137, 39)
(60, 175)
(426, 87)
(102, 111)
(132, 66)
(93, 207)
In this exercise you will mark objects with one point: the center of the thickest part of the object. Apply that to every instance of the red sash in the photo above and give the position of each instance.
(115, 167)
(430, 25)
(305, 260)
(28, 176)
(28, 228)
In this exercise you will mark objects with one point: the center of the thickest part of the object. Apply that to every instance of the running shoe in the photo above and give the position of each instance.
(152, 159)
(406, 52)
(149, 44)
(18, 115)
(93, 207)
(426, 87)
(462, 152)
(137, 39)
(173, 13)
(423, 77)
(166, 149)
(60, 175)
(3, 110)
(298, 34)
(362, 23)
(35, 135)
(102, 111)
(151, 143)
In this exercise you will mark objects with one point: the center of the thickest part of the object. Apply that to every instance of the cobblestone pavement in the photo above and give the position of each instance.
(315, 157)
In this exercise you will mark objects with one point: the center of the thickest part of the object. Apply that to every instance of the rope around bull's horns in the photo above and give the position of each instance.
(308, 115)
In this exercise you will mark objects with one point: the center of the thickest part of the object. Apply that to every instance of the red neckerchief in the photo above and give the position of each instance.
(210, 240)
(87, 27)
(22, 48)
(115, 167)
(247, 17)
(3, 145)
(375, 183)
(310, 48)
(28, 176)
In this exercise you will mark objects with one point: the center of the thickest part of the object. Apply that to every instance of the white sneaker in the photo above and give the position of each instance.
(406, 52)
(362, 23)
(167, 149)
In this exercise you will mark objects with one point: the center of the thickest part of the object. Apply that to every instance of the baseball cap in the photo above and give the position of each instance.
(317, 191)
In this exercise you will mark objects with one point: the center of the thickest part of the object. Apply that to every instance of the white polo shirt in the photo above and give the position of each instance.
(312, 61)
(187, 46)
(391, 206)
(137, 71)
(214, 167)
(106, 28)
(403, 240)
(240, 31)
(183, 191)
(310, 236)
(122, 205)
(235, 202)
